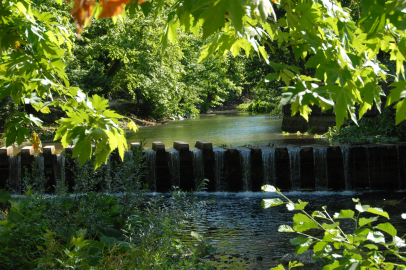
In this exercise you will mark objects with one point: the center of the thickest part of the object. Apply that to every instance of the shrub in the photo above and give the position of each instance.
(366, 247)
(119, 228)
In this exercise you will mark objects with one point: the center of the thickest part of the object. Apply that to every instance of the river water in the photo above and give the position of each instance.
(230, 129)
(246, 235)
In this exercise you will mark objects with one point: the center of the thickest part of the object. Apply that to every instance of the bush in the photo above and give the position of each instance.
(258, 106)
(380, 129)
(367, 247)
(119, 228)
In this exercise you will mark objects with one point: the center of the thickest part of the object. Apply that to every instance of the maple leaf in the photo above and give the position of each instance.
(112, 8)
(36, 142)
(82, 11)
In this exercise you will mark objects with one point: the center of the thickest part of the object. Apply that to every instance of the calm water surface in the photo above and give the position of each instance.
(230, 129)
(246, 235)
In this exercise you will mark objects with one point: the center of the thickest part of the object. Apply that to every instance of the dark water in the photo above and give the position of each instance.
(231, 129)
(246, 235)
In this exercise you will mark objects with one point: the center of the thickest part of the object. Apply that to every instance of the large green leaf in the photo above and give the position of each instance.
(364, 221)
(378, 211)
(236, 10)
(387, 227)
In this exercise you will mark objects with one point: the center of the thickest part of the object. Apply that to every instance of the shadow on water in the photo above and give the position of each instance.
(246, 235)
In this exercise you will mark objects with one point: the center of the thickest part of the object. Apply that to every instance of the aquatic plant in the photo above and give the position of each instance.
(368, 246)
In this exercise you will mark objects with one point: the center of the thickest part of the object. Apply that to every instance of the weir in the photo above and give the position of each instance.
(320, 168)
(294, 162)
(268, 165)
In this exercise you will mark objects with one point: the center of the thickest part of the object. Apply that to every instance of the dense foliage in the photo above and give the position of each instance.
(325, 54)
(382, 128)
(106, 222)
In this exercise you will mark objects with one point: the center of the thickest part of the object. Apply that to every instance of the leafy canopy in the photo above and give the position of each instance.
(343, 49)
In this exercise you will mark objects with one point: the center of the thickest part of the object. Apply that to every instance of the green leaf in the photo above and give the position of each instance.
(132, 126)
(266, 203)
(99, 103)
(362, 208)
(237, 12)
(400, 111)
(364, 221)
(285, 228)
(398, 242)
(303, 223)
(331, 226)
(300, 206)
(378, 211)
(376, 237)
(213, 17)
(279, 267)
(387, 227)
(301, 240)
(344, 214)
(170, 33)
(375, 23)
(319, 246)
(4, 196)
(299, 217)
(10, 134)
(319, 214)
(371, 247)
(83, 149)
(268, 188)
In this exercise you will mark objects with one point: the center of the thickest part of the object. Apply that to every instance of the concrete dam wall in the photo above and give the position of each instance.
(234, 169)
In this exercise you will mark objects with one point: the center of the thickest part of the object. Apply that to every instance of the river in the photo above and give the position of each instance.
(230, 129)
(246, 235)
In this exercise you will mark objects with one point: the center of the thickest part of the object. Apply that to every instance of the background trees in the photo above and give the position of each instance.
(324, 54)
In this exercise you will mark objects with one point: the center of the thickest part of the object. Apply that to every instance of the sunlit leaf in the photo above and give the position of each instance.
(376, 237)
(268, 188)
(344, 214)
(285, 228)
(266, 203)
(378, 211)
(387, 227)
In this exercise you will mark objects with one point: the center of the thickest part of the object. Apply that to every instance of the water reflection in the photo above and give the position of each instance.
(234, 129)
(246, 235)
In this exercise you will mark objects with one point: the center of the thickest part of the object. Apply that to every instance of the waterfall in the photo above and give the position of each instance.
(38, 174)
(174, 167)
(198, 167)
(245, 162)
(346, 163)
(268, 165)
(368, 167)
(219, 160)
(151, 175)
(399, 168)
(59, 174)
(39, 166)
(320, 168)
(14, 178)
(294, 162)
